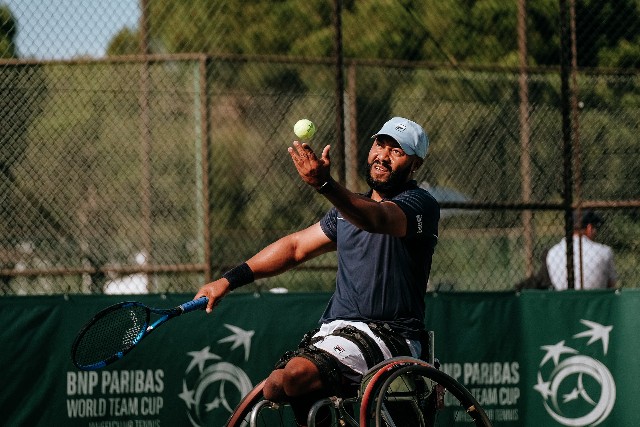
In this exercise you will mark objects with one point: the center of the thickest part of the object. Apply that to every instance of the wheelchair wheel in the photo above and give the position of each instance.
(240, 416)
(255, 411)
(417, 394)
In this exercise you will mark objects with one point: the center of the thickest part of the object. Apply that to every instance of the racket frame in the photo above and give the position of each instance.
(147, 328)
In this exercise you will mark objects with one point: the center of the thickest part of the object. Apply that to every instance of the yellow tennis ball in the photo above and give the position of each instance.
(304, 129)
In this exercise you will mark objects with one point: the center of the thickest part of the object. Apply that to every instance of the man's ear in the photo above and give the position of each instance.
(417, 162)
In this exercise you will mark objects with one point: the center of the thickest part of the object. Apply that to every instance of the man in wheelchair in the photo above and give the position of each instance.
(384, 240)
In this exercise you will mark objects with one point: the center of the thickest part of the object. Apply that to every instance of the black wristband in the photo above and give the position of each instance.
(239, 276)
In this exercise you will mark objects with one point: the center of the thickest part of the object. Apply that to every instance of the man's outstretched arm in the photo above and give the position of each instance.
(278, 257)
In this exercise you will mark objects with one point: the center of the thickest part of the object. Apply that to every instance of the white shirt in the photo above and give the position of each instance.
(597, 264)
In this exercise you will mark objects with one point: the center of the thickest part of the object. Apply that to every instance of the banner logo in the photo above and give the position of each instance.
(211, 389)
(577, 389)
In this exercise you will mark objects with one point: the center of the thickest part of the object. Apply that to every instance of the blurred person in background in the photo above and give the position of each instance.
(592, 262)
(384, 239)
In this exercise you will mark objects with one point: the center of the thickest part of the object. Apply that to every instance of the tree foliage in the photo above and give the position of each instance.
(8, 32)
(459, 31)
(472, 117)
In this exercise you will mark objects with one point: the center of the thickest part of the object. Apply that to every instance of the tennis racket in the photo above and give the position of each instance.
(117, 329)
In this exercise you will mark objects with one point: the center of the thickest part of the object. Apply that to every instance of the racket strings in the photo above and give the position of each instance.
(108, 335)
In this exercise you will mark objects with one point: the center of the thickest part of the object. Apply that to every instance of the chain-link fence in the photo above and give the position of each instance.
(144, 143)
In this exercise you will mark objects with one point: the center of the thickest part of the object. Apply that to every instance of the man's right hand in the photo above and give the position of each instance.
(215, 291)
(313, 170)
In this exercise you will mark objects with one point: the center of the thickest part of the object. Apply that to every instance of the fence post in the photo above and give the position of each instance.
(205, 165)
(575, 127)
(525, 137)
(145, 136)
(339, 146)
(565, 108)
(351, 148)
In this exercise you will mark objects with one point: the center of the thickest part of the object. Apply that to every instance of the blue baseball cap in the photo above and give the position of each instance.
(410, 135)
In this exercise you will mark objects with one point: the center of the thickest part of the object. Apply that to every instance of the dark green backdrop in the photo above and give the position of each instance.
(536, 358)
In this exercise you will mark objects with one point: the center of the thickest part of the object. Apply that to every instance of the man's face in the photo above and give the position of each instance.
(389, 167)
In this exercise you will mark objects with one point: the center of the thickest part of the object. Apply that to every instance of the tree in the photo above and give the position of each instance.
(21, 94)
(8, 32)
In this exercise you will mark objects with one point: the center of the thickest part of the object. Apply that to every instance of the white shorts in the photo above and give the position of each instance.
(348, 353)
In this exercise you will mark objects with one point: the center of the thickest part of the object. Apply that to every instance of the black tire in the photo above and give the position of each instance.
(421, 395)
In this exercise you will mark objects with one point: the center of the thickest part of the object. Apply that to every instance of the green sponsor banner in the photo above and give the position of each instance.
(191, 371)
(543, 358)
(531, 359)
(580, 353)
(477, 341)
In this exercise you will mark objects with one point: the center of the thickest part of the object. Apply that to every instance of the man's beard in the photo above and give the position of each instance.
(396, 180)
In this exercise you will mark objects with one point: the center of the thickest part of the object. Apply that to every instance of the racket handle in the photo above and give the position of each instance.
(197, 304)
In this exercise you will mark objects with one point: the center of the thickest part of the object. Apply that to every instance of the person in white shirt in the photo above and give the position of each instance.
(592, 262)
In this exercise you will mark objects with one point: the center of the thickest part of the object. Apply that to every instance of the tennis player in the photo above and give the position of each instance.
(385, 241)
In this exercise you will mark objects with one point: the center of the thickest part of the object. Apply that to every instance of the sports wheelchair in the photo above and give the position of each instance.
(399, 392)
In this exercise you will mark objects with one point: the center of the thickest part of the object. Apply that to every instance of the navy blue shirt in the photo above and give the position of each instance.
(382, 278)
